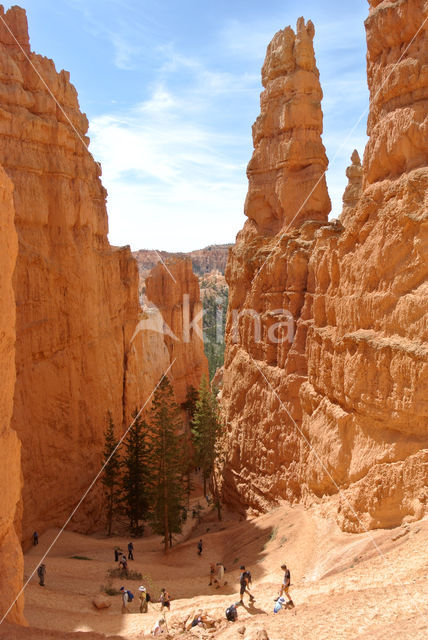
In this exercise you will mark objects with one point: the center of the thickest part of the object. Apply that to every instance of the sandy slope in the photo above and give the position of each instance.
(344, 585)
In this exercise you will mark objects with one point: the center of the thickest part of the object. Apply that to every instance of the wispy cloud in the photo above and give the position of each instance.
(164, 160)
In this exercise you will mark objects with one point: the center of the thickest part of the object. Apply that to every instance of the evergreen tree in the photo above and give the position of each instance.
(135, 480)
(206, 429)
(111, 473)
(168, 463)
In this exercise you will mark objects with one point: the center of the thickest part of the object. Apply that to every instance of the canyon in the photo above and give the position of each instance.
(325, 398)
(324, 385)
(72, 344)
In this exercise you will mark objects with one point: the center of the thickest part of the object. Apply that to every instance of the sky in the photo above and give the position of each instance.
(171, 89)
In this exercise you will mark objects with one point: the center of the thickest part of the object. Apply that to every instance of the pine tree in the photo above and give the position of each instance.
(167, 463)
(206, 429)
(135, 480)
(111, 473)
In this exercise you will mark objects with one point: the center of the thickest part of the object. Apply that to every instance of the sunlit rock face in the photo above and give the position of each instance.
(342, 411)
(269, 305)
(76, 296)
(11, 560)
(286, 173)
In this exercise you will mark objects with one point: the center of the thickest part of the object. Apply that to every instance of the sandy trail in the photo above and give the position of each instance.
(342, 587)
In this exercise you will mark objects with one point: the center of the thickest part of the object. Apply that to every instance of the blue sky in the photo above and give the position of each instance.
(171, 89)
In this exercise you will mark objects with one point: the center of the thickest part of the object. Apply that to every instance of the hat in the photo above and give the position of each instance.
(141, 588)
(122, 589)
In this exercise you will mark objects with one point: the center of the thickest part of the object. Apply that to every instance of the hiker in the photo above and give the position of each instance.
(232, 613)
(127, 597)
(245, 580)
(117, 553)
(130, 550)
(198, 620)
(143, 599)
(159, 627)
(165, 599)
(41, 572)
(212, 574)
(123, 564)
(35, 538)
(286, 584)
(200, 547)
(220, 575)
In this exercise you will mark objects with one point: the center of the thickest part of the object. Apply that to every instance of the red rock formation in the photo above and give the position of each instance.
(11, 561)
(286, 172)
(204, 261)
(365, 403)
(352, 193)
(354, 380)
(77, 297)
(174, 289)
(268, 277)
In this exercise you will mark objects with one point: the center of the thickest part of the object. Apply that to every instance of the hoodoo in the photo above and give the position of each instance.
(341, 410)
(269, 309)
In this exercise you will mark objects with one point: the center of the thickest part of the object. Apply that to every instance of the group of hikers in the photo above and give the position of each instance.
(216, 576)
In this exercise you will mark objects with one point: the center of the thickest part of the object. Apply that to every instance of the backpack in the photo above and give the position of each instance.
(148, 597)
(248, 574)
(231, 614)
(130, 596)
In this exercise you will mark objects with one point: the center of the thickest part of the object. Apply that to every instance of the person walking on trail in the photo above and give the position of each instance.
(117, 553)
(143, 599)
(130, 550)
(200, 547)
(123, 565)
(245, 581)
(165, 599)
(125, 599)
(35, 538)
(41, 572)
(286, 584)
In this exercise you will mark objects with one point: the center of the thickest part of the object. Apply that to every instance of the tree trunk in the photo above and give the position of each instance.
(217, 496)
(205, 483)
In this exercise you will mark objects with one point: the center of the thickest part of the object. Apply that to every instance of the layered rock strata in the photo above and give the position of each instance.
(342, 411)
(267, 272)
(173, 289)
(11, 561)
(76, 296)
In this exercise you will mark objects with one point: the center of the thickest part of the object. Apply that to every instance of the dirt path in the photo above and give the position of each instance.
(342, 587)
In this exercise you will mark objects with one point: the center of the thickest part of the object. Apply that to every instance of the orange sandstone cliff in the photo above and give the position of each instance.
(267, 272)
(11, 561)
(341, 410)
(77, 308)
(174, 290)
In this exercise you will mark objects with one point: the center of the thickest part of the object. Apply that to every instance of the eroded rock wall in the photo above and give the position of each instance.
(267, 272)
(342, 410)
(365, 402)
(11, 560)
(173, 289)
(76, 296)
